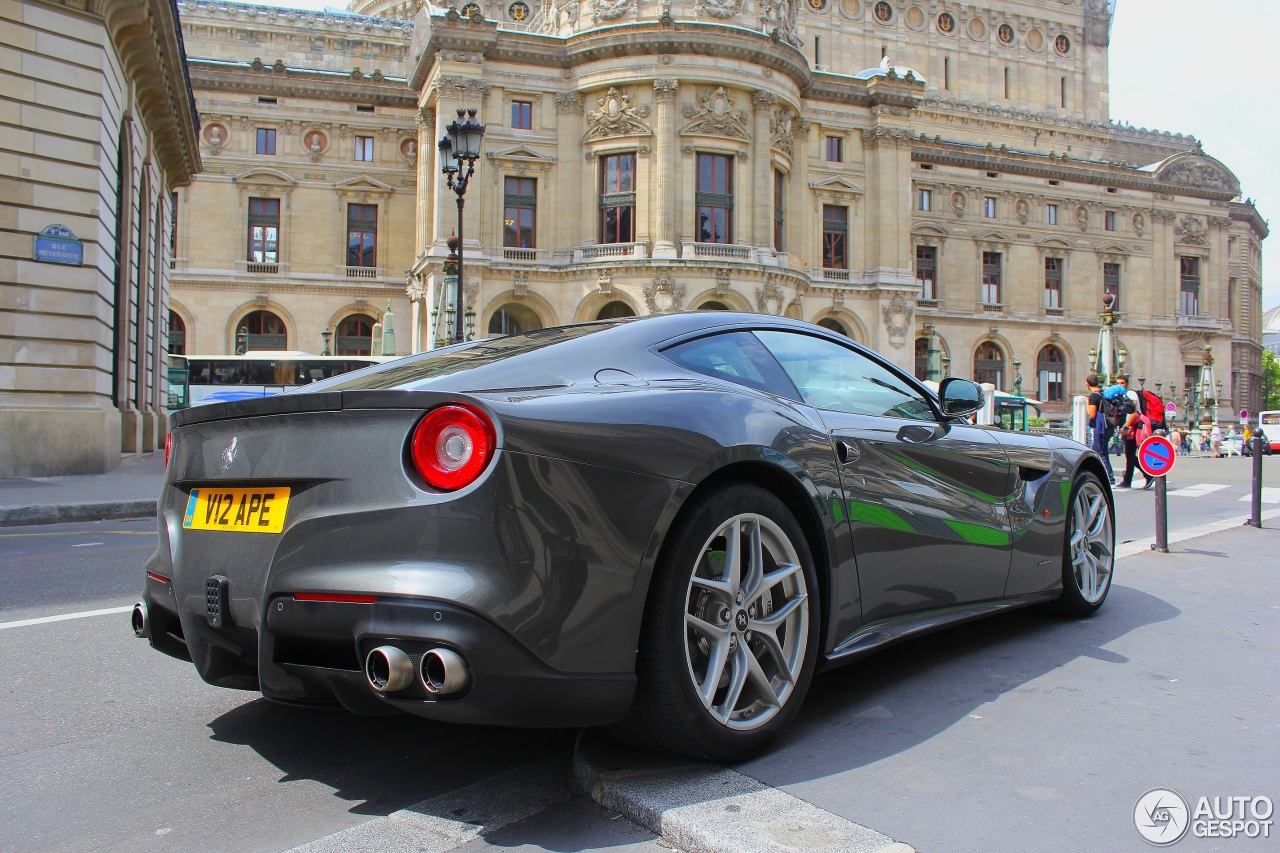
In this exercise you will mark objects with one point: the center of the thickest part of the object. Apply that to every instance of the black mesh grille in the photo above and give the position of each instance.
(215, 600)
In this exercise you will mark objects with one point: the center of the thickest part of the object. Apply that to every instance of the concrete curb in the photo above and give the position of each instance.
(1142, 546)
(59, 513)
(451, 820)
(705, 808)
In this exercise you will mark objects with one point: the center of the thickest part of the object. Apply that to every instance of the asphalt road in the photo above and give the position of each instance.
(990, 736)
(107, 745)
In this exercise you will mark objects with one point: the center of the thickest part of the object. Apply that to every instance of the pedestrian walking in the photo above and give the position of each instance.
(1096, 411)
(1215, 441)
(1130, 435)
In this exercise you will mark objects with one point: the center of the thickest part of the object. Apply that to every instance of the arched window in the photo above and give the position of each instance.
(988, 364)
(713, 305)
(260, 330)
(922, 359)
(615, 310)
(355, 335)
(177, 335)
(834, 325)
(1051, 375)
(513, 319)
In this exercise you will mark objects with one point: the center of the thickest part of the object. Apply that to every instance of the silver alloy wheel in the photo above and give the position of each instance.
(1091, 542)
(746, 621)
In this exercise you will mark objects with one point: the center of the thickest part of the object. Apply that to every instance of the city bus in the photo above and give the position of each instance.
(198, 379)
(1269, 421)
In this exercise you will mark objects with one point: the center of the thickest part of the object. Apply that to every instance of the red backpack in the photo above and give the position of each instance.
(1150, 414)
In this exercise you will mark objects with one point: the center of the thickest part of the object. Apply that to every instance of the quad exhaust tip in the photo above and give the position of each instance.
(388, 669)
(141, 625)
(444, 672)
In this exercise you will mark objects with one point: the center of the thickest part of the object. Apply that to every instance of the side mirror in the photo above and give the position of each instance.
(959, 396)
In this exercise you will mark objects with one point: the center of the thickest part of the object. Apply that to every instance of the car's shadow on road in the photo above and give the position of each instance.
(381, 764)
(901, 697)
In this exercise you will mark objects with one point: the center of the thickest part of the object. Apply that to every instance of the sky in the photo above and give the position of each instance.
(1194, 67)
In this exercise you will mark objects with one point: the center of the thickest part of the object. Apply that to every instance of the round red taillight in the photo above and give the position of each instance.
(451, 446)
(168, 447)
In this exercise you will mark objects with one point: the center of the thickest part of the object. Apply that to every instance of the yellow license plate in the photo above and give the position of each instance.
(258, 510)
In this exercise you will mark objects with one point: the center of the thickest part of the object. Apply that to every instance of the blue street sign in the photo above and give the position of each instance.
(1155, 456)
(57, 244)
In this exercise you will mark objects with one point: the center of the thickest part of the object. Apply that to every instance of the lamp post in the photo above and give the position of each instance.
(326, 334)
(459, 150)
(1017, 377)
(242, 340)
(946, 365)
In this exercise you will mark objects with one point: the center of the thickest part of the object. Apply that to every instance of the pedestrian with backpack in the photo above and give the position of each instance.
(1136, 429)
(1097, 410)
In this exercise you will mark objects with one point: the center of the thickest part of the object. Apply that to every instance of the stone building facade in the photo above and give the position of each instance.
(97, 130)
(901, 171)
(302, 221)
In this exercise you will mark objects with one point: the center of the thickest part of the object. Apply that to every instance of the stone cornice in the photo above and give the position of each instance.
(1246, 212)
(149, 41)
(1048, 166)
(249, 16)
(222, 76)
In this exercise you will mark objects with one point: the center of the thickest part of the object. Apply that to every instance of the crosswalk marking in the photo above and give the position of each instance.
(1270, 495)
(1198, 490)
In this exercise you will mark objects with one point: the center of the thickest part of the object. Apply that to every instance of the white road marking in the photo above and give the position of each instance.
(1198, 490)
(83, 614)
(85, 544)
(1270, 495)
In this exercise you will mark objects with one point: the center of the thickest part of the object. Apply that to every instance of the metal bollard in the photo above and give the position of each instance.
(1255, 517)
(1162, 517)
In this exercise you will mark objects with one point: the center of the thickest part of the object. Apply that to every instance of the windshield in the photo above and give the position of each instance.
(456, 358)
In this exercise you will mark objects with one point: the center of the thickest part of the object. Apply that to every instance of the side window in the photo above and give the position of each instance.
(830, 376)
(737, 357)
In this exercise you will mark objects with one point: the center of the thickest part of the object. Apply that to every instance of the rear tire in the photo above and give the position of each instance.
(1088, 548)
(730, 633)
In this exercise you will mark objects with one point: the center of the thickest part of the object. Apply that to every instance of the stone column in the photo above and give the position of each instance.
(428, 170)
(574, 181)
(664, 189)
(762, 103)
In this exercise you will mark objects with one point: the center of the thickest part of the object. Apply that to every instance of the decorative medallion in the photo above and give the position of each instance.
(915, 18)
(1062, 44)
(726, 8)
(883, 12)
(614, 116)
(215, 136)
(1022, 209)
(851, 8)
(471, 10)
(977, 29)
(609, 10)
(1191, 231)
(409, 148)
(1082, 217)
(958, 202)
(664, 295)
(1005, 33)
(716, 117)
(1139, 224)
(818, 5)
(946, 23)
(897, 319)
(518, 11)
(1035, 39)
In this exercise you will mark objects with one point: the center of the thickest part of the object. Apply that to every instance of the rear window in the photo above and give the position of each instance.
(456, 359)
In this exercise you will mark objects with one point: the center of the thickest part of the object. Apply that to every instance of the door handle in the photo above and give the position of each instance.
(847, 452)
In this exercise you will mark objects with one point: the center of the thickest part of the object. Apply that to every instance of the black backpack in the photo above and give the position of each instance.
(1115, 412)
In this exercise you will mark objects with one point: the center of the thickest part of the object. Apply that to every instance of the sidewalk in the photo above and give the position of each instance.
(130, 491)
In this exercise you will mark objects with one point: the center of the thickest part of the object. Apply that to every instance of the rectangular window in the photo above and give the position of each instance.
(927, 271)
(365, 108)
(521, 115)
(991, 268)
(1111, 282)
(1063, 93)
(173, 225)
(946, 73)
(618, 198)
(1189, 277)
(266, 141)
(1109, 220)
(925, 200)
(364, 149)
(362, 235)
(1051, 214)
(1053, 282)
(264, 230)
(989, 207)
(519, 213)
(714, 198)
(835, 149)
(835, 237)
(266, 101)
(779, 209)
(1006, 82)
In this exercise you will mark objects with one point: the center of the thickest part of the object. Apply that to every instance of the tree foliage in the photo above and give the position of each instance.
(1270, 381)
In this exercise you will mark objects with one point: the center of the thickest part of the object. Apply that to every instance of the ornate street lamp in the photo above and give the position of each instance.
(459, 150)
(326, 334)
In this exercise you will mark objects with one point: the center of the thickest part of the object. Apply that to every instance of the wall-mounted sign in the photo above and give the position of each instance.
(57, 244)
